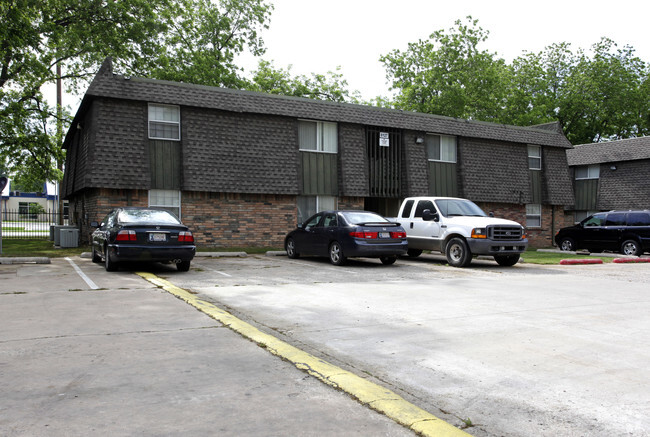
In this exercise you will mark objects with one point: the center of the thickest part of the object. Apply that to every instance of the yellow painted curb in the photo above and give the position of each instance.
(368, 393)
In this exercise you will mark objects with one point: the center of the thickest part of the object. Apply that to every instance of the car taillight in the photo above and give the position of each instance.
(185, 237)
(124, 235)
(396, 235)
(364, 235)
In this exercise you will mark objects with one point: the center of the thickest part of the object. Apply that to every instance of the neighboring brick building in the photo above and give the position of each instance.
(241, 168)
(610, 175)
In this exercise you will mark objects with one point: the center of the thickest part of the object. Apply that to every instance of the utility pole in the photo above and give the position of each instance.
(59, 136)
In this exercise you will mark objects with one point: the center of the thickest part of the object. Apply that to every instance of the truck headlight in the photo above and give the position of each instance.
(479, 233)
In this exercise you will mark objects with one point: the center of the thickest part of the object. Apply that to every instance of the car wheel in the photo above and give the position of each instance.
(568, 244)
(388, 260)
(109, 265)
(414, 253)
(506, 260)
(336, 254)
(96, 257)
(631, 247)
(457, 252)
(290, 247)
(183, 266)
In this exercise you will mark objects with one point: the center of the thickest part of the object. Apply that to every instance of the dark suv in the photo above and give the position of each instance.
(624, 231)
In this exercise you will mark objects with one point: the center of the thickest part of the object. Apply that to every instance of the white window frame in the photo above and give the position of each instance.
(593, 172)
(448, 148)
(173, 206)
(534, 213)
(535, 153)
(326, 137)
(579, 216)
(153, 118)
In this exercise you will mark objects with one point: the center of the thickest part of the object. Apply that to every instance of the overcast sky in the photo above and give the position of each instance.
(318, 36)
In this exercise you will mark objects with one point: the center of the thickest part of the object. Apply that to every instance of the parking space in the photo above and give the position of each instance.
(527, 350)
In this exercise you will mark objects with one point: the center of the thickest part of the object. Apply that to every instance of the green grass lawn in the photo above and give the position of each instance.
(20, 248)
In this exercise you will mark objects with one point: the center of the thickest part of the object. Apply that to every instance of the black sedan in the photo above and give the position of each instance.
(343, 234)
(142, 234)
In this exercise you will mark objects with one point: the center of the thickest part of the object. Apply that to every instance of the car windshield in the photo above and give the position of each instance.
(148, 216)
(356, 218)
(459, 207)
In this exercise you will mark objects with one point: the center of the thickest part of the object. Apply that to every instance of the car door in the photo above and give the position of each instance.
(324, 232)
(100, 235)
(590, 232)
(420, 229)
(611, 234)
(306, 238)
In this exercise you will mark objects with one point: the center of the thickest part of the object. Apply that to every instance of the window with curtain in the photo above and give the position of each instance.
(534, 157)
(310, 205)
(318, 136)
(169, 200)
(164, 122)
(440, 148)
(533, 216)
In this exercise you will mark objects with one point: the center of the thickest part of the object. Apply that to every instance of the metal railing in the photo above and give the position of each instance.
(19, 224)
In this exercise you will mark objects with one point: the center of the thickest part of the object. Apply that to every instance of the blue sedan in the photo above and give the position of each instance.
(344, 234)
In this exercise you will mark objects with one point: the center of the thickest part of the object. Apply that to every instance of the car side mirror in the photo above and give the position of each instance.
(300, 226)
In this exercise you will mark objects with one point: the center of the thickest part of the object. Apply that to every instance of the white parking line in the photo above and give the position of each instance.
(89, 281)
(214, 270)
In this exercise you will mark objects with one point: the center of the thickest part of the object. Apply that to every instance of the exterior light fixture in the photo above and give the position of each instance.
(613, 168)
(419, 140)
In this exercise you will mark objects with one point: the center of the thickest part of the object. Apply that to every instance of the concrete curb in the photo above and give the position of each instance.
(368, 393)
(566, 262)
(276, 253)
(631, 260)
(26, 260)
(222, 254)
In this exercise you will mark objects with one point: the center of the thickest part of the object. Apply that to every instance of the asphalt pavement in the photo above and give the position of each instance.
(86, 352)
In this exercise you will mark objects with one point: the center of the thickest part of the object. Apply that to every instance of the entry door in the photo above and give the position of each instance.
(384, 150)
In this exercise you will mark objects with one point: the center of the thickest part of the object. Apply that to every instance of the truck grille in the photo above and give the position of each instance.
(505, 232)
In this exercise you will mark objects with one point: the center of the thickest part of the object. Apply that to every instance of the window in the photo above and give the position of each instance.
(588, 172)
(581, 215)
(422, 205)
(169, 200)
(533, 216)
(595, 220)
(406, 211)
(534, 157)
(309, 205)
(638, 219)
(164, 122)
(440, 148)
(317, 136)
(615, 219)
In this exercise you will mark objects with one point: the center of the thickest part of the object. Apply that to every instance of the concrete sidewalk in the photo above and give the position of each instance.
(129, 358)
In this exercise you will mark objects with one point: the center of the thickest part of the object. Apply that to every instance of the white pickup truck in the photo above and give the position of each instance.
(459, 229)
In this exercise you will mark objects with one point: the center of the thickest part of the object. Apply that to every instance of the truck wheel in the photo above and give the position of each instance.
(631, 247)
(457, 252)
(336, 254)
(506, 260)
(414, 253)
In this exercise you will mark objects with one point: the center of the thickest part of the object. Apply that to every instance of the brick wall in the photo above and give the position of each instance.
(553, 218)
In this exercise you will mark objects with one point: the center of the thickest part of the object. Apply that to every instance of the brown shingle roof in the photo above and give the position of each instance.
(107, 84)
(612, 151)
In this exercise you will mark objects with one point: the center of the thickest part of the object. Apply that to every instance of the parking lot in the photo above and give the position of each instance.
(524, 351)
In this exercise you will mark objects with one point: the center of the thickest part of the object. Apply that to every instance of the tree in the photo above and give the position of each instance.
(330, 86)
(203, 39)
(184, 40)
(448, 74)
(40, 35)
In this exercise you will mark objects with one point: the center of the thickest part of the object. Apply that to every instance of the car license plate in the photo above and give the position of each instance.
(384, 235)
(157, 236)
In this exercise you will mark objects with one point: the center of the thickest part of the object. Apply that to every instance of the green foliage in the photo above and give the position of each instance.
(203, 39)
(602, 97)
(330, 86)
(448, 74)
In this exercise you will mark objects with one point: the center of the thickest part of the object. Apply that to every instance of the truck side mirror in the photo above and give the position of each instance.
(94, 224)
(491, 214)
(427, 216)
